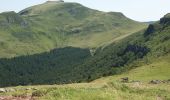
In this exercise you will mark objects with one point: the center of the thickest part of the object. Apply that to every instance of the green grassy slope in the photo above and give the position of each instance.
(158, 69)
(53, 25)
(110, 88)
(139, 48)
(107, 88)
(153, 65)
(133, 51)
(65, 66)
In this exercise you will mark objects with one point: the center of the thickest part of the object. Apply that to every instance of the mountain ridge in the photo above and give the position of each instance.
(135, 50)
(59, 50)
(47, 26)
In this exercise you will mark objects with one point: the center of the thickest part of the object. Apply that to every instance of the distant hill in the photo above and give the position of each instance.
(54, 24)
(150, 22)
(69, 65)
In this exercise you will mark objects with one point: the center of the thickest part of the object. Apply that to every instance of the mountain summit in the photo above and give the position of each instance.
(52, 25)
(58, 1)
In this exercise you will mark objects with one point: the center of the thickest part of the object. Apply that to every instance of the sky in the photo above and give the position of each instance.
(139, 10)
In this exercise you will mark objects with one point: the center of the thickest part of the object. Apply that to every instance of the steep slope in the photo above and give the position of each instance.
(140, 48)
(58, 24)
(158, 69)
(148, 45)
(51, 67)
(13, 25)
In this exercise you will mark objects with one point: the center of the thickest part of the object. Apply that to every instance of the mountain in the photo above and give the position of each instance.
(70, 64)
(58, 24)
(150, 22)
(141, 48)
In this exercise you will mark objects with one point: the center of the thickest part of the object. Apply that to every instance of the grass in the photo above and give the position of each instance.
(96, 39)
(54, 25)
(108, 88)
(159, 70)
(109, 91)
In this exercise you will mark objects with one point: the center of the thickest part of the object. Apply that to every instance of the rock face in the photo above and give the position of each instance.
(125, 79)
(155, 82)
(165, 19)
(150, 30)
(12, 18)
(158, 25)
(159, 81)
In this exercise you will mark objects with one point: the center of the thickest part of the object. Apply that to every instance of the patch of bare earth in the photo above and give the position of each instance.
(16, 98)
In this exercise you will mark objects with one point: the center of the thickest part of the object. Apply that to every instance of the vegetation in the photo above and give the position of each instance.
(79, 55)
(108, 88)
(64, 66)
(69, 65)
(56, 25)
(47, 68)
(158, 69)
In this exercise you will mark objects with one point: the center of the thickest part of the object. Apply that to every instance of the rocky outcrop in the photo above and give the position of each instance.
(12, 18)
(155, 82)
(158, 25)
(150, 30)
(165, 19)
(125, 79)
(159, 81)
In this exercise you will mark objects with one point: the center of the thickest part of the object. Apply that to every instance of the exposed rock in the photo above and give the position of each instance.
(11, 18)
(125, 79)
(155, 82)
(166, 81)
(150, 30)
(165, 19)
(159, 81)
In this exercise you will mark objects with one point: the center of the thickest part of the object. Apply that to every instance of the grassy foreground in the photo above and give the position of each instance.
(108, 88)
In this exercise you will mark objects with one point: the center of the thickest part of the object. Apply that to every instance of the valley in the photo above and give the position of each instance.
(65, 51)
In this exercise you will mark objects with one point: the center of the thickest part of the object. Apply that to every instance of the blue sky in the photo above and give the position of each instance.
(140, 10)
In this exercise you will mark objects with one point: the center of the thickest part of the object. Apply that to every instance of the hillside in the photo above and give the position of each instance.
(138, 49)
(106, 88)
(52, 25)
(65, 51)
(158, 69)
